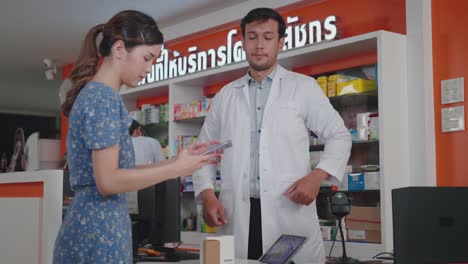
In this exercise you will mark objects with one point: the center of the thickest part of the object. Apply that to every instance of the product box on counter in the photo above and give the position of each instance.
(217, 250)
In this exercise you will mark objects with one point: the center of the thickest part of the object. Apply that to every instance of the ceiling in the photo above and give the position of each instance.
(34, 30)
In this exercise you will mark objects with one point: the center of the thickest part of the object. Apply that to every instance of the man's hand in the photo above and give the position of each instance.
(305, 190)
(213, 211)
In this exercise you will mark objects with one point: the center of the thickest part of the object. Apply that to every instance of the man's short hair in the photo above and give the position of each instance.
(263, 14)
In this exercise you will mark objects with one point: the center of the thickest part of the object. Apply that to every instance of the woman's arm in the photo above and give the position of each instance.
(110, 179)
(154, 165)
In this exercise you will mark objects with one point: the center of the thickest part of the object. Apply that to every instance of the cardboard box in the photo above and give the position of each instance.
(363, 224)
(364, 236)
(217, 250)
(368, 213)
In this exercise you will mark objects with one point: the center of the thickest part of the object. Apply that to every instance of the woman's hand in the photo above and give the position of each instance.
(189, 159)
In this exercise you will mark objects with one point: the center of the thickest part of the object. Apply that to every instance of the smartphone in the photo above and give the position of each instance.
(217, 147)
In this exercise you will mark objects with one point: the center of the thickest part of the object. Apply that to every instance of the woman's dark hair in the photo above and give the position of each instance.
(263, 14)
(134, 28)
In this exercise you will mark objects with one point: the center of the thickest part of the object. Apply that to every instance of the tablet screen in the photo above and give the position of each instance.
(283, 249)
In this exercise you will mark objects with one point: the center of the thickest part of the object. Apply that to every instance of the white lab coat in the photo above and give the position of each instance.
(295, 105)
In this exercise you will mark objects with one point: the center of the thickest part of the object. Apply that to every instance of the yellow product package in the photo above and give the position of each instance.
(332, 83)
(355, 86)
(322, 82)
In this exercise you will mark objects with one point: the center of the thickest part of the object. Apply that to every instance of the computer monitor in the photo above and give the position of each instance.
(159, 212)
(430, 225)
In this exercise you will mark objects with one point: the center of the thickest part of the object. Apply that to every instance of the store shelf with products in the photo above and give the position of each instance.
(389, 151)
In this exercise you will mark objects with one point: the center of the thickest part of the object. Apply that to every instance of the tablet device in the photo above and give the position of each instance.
(284, 248)
(217, 147)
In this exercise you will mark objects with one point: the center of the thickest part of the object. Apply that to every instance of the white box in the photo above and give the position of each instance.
(372, 180)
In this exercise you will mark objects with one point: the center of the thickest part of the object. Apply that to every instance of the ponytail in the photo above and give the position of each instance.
(132, 27)
(85, 69)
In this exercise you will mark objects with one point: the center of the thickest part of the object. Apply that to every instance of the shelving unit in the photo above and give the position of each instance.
(364, 142)
(391, 100)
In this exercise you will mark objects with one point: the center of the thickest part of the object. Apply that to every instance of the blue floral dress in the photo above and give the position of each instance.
(96, 228)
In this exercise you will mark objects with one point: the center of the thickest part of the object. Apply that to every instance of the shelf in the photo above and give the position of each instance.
(327, 190)
(366, 98)
(307, 55)
(359, 143)
(193, 120)
(156, 127)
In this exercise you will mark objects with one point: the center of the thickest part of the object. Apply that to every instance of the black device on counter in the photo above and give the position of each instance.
(340, 207)
(430, 225)
(158, 221)
(282, 251)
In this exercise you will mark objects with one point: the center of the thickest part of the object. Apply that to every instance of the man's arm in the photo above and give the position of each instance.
(327, 124)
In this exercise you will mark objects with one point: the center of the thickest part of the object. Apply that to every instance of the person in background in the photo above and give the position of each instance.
(18, 159)
(147, 149)
(268, 187)
(96, 227)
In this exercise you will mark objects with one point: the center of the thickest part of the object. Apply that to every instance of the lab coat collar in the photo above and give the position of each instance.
(281, 73)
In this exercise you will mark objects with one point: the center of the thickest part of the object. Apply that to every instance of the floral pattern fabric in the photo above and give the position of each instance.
(96, 228)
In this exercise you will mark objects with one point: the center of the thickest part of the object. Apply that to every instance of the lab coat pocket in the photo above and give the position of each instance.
(283, 200)
(289, 122)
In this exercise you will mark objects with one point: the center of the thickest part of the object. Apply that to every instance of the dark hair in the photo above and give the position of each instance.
(134, 28)
(135, 125)
(263, 14)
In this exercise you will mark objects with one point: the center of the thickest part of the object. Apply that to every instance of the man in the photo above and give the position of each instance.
(268, 188)
(147, 149)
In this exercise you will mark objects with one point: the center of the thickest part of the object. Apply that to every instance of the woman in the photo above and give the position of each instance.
(96, 227)
(18, 159)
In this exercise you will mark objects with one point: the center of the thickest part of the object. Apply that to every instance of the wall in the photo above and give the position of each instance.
(30, 95)
(450, 53)
(420, 100)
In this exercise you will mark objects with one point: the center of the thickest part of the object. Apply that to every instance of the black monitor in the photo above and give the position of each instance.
(430, 225)
(159, 211)
(158, 218)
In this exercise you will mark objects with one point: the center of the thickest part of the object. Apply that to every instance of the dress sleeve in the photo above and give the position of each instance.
(102, 122)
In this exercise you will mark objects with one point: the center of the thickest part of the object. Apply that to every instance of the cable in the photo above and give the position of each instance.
(333, 244)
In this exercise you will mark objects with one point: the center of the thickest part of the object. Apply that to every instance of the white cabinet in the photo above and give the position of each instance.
(392, 106)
